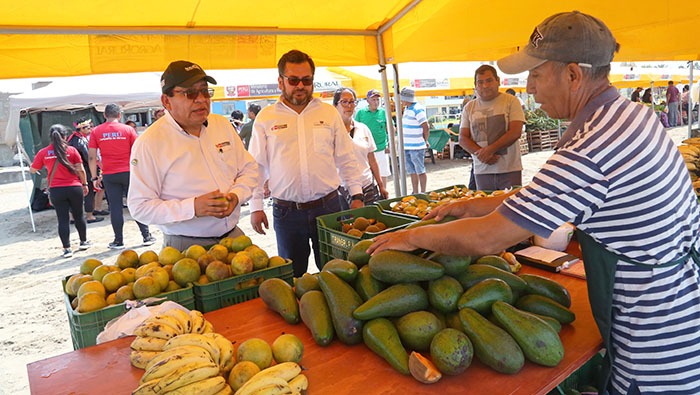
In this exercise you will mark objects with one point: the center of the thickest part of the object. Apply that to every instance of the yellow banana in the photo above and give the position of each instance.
(146, 388)
(168, 320)
(226, 355)
(140, 359)
(284, 370)
(253, 385)
(198, 321)
(152, 329)
(182, 316)
(171, 364)
(275, 389)
(225, 391)
(208, 386)
(148, 344)
(299, 383)
(187, 374)
(194, 339)
(208, 327)
(166, 354)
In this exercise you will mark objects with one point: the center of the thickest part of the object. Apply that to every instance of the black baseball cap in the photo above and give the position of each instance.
(182, 73)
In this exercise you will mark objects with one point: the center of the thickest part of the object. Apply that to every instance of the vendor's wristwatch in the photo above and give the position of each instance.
(359, 197)
(95, 178)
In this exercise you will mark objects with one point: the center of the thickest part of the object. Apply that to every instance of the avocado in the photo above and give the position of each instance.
(358, 253)
(495, 261)
(417, 329)
(482, 295)
(544, 286)
(366, 285)
(451, 351)
(346, 270)
(539, 342)
(454, 265)
(444, 292)
(316, 316)
(395, 301)
(493, 346)
(305, 283)
(477, 273)
(543, 305)
(279, 297)
(342, 301)
(401, 267)
(381, 337)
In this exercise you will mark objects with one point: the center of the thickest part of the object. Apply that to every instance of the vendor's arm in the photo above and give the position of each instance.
(466, 142)
(480, 236)
(92, 162)
(467, 208)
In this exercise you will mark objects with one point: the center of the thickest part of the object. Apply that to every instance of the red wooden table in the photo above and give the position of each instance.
(336, 369)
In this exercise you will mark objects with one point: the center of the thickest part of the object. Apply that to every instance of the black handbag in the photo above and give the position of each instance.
(40, 198)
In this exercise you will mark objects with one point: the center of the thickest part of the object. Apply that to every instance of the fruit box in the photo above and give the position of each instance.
(386, 205)
(84, 327)
(334, 243)
(223, 293)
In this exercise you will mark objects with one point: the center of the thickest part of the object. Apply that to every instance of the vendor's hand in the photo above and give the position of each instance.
(257, 220)
(459, 209)
(213, 204)
(356, 204)
(398, 240)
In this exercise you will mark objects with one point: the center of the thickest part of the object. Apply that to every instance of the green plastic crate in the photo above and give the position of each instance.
(446, 188)
(587, 375)
(84, 327)
(333, 243)
(223, 293)
(385, 206)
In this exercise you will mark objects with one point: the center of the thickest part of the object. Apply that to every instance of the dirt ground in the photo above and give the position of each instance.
(33, 320)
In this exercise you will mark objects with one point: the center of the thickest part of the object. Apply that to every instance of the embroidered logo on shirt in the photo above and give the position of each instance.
(223, 144)
(319, 123)
(280, 127)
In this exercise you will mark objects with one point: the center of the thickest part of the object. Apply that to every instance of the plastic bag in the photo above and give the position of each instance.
(136, 313)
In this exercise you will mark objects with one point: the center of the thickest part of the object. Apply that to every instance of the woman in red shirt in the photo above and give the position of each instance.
(67, 185)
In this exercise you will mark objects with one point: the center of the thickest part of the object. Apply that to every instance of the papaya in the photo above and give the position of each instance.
(493, 346)
(544, 286)
(358, 253)
(279, 297)
(395, 267)
(495, 261)
(381, 337)
(346, 270)
(481, 296)
(543, 305)
(395, 301)
(342, 301)
(316, 316)
(417, 329)
(454, 265)
(477, 273)
(444, 293)
(539, 342)
(366, 285)
(305, 283)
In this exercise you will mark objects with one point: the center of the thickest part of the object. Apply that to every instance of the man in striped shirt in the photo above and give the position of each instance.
(415, 139)
(618, 177)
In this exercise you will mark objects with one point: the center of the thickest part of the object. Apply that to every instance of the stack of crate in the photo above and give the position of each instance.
(542, 140)
(524, 147)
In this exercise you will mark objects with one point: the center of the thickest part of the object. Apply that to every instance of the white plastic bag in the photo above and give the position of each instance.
(125, 324)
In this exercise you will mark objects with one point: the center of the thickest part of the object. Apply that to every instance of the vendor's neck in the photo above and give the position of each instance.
(588, 92)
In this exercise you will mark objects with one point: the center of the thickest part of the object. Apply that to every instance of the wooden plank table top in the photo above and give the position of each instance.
(335, 369)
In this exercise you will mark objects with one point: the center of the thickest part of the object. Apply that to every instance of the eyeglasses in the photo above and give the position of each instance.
(194, 93)
(294, 81)
(347, 102)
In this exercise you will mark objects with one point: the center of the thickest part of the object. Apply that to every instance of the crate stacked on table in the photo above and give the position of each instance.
(522, 142)
(542, 140)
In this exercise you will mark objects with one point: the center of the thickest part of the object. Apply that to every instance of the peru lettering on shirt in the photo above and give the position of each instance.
(114, 140)
(62, 177)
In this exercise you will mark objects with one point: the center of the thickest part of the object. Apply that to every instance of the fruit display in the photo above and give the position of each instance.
(135, 276)
(420, 206)
(412, 205)
(691, 157)
(360, 225)
(429, 317)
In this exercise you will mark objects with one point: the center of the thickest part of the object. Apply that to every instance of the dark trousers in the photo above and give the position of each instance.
(294, 228)
(116, 186)
(65, 199)
(89, 199)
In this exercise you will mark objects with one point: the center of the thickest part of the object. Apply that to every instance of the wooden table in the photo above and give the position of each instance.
(336, 369)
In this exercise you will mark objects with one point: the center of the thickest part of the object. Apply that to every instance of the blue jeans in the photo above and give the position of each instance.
(674, 114)
(294, 228)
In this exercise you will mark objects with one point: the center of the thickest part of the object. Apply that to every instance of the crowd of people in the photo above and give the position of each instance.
(674, 111)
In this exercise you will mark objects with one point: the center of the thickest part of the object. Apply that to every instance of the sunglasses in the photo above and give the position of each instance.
(294, 81)
(194, 93)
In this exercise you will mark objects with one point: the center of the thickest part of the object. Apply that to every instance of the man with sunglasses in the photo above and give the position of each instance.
(301, 145)
(189, 169)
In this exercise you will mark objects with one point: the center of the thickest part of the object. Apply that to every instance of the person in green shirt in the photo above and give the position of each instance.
(374, 117)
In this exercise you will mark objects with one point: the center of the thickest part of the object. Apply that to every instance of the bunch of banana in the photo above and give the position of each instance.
(281, 379)
(154, 332)
(691, 157)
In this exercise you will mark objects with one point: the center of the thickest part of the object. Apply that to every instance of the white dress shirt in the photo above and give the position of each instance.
(303, 155)
(170, 167)
(364, 144)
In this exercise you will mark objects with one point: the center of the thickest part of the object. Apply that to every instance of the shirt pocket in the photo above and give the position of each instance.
(323, 140)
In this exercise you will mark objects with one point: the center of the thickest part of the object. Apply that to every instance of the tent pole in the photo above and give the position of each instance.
(391, 130)
(690, 101)
(24, 183)
(399, 123)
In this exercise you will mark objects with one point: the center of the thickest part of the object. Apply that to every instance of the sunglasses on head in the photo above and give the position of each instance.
(294, 81)
(193, 93)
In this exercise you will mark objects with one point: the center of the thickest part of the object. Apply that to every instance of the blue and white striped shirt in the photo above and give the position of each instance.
(413, 118)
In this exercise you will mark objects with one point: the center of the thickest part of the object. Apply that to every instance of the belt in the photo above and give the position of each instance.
(306, 205)
(207, 237)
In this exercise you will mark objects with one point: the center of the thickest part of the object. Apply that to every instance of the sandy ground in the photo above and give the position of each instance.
(33, 320)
